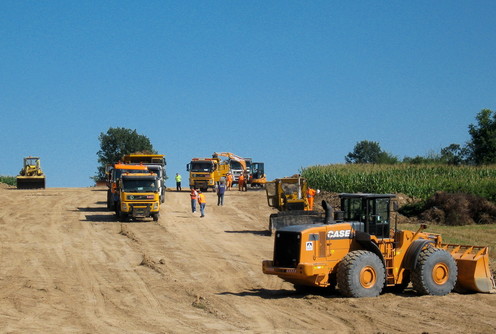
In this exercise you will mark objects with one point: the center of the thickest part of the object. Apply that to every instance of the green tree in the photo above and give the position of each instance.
(482, 146)
(118, 142)
(454, 154)
(366, 152)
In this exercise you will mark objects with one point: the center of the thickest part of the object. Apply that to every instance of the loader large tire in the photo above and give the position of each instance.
(361, 274)
(435, 272)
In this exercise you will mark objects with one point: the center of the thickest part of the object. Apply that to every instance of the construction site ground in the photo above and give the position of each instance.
(67, 265)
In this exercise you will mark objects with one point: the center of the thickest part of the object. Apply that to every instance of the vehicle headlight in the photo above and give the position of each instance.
(124, 207)
(155, 206)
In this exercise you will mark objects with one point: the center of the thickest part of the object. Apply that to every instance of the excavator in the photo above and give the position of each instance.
(360, 250)
(236, 172)
(31, 176)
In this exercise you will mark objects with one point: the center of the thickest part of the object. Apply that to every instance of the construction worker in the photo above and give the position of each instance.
(246, 181)
(221, 189)
(241, 182)
(229, 181)
(310, 196)
(194, 198)
(178, 182)
(203, 202)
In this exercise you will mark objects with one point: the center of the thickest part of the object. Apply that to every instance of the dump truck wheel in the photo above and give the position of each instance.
(435, 273)
(155, 217)
(361, 274)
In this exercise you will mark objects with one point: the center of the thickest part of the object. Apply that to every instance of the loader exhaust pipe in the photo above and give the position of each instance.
(329, 216)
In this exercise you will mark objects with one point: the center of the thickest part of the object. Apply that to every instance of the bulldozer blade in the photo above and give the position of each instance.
(25, 182)
(474, 273)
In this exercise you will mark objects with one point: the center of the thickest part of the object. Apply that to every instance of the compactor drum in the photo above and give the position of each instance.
(31, 176)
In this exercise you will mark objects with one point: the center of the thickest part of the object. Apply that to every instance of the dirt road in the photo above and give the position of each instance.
(68, 266)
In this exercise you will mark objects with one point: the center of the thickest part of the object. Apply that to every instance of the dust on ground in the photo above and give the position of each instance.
(67, 265)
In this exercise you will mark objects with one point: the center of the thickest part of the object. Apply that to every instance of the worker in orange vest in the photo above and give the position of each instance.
(229, 181)
(194, 198)
(241, 182)
(203, 202)
(310, 196)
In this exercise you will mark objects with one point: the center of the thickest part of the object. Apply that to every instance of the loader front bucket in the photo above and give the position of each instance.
(474, 273)
(30, 182)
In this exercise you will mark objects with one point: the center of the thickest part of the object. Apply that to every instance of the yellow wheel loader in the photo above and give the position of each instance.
(289, 197)
(361, 252)
(31, 176)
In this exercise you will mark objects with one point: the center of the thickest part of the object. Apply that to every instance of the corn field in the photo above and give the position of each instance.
(419, 181)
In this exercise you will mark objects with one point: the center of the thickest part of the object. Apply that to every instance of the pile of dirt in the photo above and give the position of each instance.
(5, 186)
(442, 208)
(457, 209)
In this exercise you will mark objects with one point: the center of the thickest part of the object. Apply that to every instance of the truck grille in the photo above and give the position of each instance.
(287, 249)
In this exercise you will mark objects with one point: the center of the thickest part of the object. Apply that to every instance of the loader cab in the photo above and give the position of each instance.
(371, 209)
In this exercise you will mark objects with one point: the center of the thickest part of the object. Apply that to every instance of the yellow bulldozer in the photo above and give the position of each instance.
(31, 176)
(361, 252)
(289, 196)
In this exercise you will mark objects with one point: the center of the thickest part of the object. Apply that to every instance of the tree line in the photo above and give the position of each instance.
(479, 150)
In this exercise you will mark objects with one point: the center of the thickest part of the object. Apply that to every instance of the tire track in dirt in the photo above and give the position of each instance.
(69, 266)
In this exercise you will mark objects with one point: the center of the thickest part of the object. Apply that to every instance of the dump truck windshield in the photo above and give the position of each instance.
(135, 185)
(235, 164)
(201, 167)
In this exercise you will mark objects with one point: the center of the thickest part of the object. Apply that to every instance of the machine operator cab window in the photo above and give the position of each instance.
(371, 209)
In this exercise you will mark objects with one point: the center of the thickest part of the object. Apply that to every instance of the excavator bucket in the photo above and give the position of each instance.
(474, 273)
(30, 182)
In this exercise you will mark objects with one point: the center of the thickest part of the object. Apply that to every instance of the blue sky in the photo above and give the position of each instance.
(290, 83)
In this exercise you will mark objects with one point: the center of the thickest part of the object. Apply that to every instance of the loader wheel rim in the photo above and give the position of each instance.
(440, 273)
(368, 277)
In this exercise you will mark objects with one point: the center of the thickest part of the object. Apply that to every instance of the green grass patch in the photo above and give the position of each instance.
(10, 180)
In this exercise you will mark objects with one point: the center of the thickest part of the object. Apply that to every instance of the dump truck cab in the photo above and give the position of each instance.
(114, 174)
(155, 163)
(138, 196)
(361, 252)
(204, 173)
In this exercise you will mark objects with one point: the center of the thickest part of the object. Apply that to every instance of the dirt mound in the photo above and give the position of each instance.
(5, 186)
(458, 209)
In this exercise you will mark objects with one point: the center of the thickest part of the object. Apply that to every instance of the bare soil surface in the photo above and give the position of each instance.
(67, 265)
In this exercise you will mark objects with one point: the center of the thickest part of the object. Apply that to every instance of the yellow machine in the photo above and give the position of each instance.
(289, 196)
(155, 162)
(257, 175)
(31, 176)
(138, 196)
(237, 164)
(113, 174)
(204, 173)
(362, 253)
